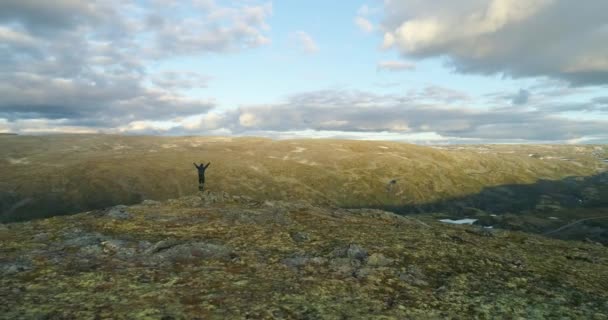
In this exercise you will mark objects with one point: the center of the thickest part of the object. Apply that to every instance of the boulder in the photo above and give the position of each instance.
(378, 260)
(188, 252)
(14, 267)
(300, 236)
(118, 212)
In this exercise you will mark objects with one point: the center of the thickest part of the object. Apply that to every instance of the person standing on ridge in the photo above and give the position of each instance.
(201, 175)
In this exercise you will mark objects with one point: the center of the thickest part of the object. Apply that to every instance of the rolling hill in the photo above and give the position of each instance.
(43, 176)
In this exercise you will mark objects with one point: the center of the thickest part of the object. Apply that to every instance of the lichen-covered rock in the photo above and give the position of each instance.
(378, 260)
(414, 276)
(344, 267)
(296, 261)
(356, 252)
(121, 248)
(119, 212)
(299, 237)
(42, 237)
(189, 252)
(352, 251)
(183, 261)
(149, 202)
(159, 246)
(17, 266)
(91, 250)
(84, 239)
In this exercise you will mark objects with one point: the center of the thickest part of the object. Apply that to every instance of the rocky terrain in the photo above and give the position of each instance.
(220, 256)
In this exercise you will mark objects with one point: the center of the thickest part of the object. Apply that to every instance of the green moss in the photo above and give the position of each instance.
(439, 271)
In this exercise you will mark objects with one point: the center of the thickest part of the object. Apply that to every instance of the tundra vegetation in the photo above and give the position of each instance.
(305, 229)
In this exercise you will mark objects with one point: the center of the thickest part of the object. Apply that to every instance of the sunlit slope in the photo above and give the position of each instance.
(46, 175)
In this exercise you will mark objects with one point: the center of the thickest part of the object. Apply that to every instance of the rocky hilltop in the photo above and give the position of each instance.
(220, 256)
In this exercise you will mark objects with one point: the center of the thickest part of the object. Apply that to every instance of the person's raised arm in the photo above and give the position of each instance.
(196, 165)
(206, 166)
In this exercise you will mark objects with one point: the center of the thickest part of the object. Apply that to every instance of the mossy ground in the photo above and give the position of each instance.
(291, 260)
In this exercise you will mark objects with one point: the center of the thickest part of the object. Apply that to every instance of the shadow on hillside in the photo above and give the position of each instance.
(544, 195)
(16, 208)
(577, 207)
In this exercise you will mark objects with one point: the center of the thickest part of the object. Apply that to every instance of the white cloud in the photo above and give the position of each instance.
(364, 24)
(392, 65)
(248, 119)
(306, 42)
(8, 35)
(521, 38)
(90, 62)
(431, 112)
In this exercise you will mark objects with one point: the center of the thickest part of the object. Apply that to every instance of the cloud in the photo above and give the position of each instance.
(445, 94)
(395, 66)
(179, 80)
(213, 28)
(43, 16)
(560, 39)
(364, 24)
(305, 42)
(364, 16)
(93, 64)
(419, 115)
(602, 101)
(521, 97)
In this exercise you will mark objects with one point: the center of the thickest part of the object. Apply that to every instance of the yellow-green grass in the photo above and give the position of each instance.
(46, 175)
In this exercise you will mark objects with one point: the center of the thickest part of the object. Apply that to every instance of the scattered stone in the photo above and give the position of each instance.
(373, 213)
(362, 273)
(210, 197)
(414, 276)
(269, 203)
(113, 245)
(356, 252)
(144, 245)
(18, 266)
(161, 245)
(119, 212)
(299, 236)
(121, 248)
(378, 260)
(92, 250)
(150, 203)
(191, 251)
(41, 237)
(296, 262)
(352, 251)
(82, 265)
(318, 261)
(344, 266)
(84, 240)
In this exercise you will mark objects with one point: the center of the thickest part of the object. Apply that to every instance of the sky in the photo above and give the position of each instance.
(427, 72)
